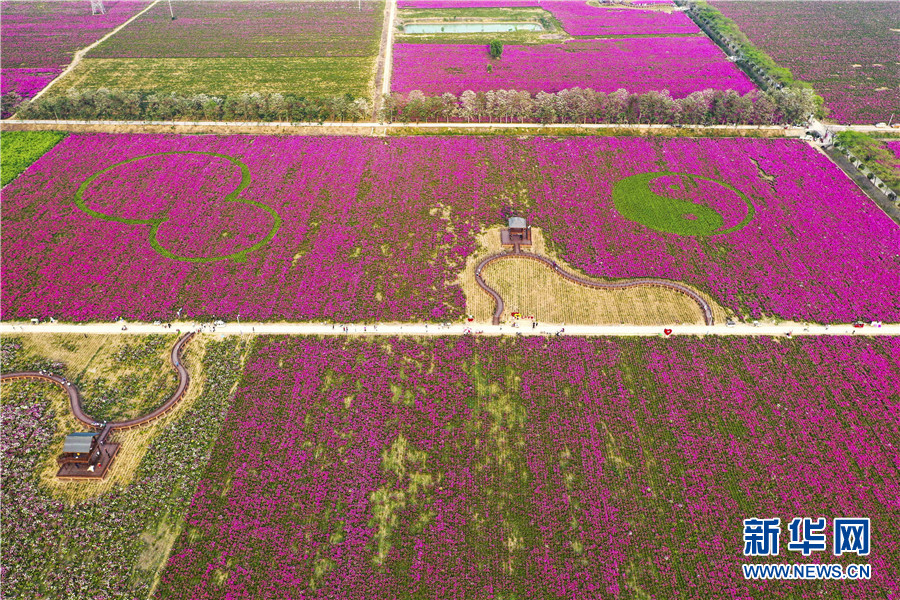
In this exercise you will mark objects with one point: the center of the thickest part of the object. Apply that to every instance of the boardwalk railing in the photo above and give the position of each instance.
(75, 402)
(705, 308)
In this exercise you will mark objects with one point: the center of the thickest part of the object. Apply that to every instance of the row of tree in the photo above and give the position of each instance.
(117, 105)
(576, 105)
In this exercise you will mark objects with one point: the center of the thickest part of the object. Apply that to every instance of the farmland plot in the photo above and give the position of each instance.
(535, 468)
(365, 229)
(582, 19)
(846, 50)
(223, 47)
(39, 38)
(52, 529)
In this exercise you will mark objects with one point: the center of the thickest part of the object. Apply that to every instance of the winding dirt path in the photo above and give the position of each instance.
(618, 285)
(184, 381)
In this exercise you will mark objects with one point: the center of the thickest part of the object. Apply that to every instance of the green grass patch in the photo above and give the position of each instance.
(637, 202)
(18, 149)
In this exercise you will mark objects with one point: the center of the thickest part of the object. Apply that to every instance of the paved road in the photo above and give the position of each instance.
(388, 67)
(423, 329)
(359, 128)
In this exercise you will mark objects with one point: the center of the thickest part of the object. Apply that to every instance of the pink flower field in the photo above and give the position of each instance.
(541, 468)
(579, 18)
(38, 39)
(680, 65)
(26, 82)
(366, 229)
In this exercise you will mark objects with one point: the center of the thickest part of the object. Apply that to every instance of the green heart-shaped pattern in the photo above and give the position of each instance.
(635, 201)
(241, 255)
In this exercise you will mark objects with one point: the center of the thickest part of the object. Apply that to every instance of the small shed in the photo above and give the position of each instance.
(79, 442)
(518, 232)
(78, 447)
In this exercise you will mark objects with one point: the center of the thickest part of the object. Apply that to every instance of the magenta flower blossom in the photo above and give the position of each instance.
(26, 82)
(467, 3)
(894, 146)
(580, 18)
(267, 28)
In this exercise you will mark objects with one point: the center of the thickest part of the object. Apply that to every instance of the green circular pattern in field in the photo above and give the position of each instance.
(635, 201)
(155, 223)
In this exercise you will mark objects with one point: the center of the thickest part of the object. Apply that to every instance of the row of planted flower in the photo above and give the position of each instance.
(96, 549)
(563, 467)
(379, 230)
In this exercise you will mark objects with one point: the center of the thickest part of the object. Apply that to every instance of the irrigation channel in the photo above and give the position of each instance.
(106, 428)
(516, 252)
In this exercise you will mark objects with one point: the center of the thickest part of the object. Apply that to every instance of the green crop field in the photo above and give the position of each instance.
(306, 76)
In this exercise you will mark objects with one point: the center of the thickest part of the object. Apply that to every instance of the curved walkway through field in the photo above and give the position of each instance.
(618, 285)
(184, 380)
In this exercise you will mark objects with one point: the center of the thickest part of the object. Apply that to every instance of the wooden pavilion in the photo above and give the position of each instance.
(86, 455)
(517, 232)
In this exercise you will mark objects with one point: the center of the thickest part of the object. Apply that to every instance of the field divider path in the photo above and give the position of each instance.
(387, 68)
(705, 308)
(370, 128)
(75, 400)
(76, 58)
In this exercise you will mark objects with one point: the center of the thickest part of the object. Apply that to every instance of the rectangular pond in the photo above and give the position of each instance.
(470, 27)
